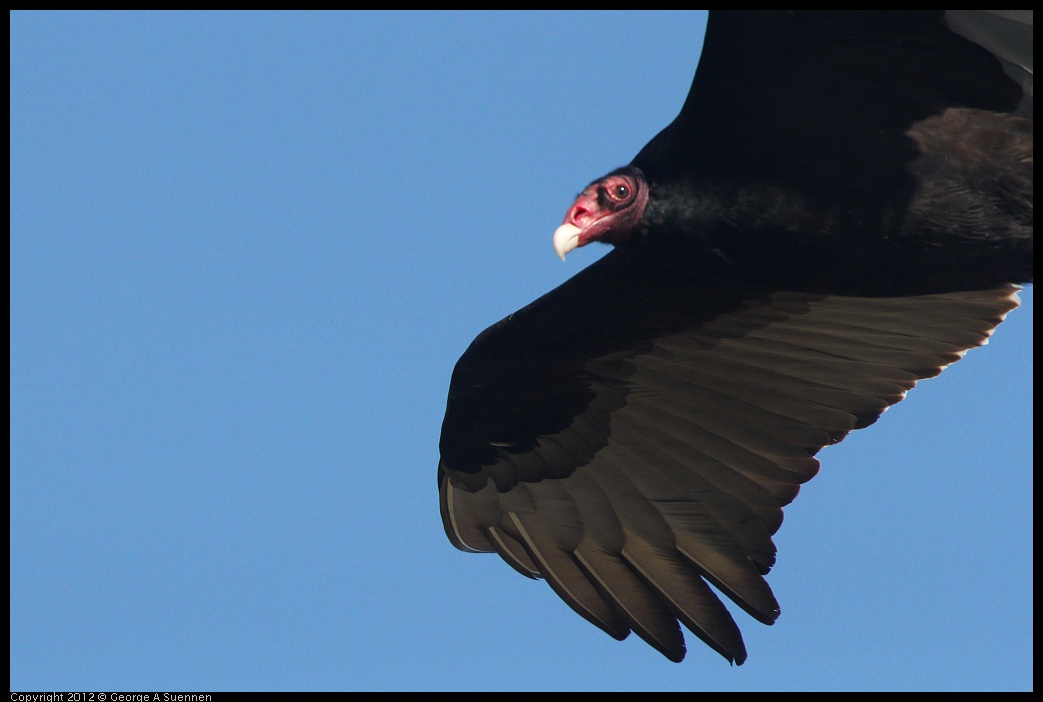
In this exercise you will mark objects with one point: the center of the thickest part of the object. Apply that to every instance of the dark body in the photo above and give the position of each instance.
(839, 210)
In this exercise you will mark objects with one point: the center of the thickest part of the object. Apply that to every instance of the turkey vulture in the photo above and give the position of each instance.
(842, 208)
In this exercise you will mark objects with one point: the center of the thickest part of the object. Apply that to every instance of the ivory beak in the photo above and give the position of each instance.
(566, 238)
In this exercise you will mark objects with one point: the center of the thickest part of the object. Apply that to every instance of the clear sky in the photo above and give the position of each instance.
(246, 251)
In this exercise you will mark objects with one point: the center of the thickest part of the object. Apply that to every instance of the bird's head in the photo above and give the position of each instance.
(608, 210)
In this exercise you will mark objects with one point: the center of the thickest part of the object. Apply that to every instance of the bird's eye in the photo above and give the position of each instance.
(622, 192)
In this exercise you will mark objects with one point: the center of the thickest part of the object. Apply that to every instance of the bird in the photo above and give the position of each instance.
(843, 207)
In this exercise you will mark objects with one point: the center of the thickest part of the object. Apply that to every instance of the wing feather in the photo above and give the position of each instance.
(714, 427)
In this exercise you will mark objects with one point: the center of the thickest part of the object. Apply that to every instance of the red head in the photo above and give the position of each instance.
(608, 210)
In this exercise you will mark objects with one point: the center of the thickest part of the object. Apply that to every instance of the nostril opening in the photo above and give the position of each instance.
(578, 214)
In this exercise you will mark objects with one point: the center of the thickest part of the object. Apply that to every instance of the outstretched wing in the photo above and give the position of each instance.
(633, 435)
(799, 94)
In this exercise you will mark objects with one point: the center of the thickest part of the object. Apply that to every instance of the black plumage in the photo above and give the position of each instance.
(841, 209)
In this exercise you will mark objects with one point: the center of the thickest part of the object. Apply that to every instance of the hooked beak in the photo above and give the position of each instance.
(566, 238)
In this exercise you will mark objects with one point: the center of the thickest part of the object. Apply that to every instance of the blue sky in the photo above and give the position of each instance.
(246, 251)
